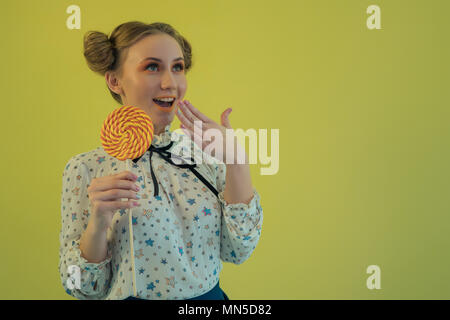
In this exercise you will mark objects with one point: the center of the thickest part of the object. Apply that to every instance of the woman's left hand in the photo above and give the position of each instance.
(197, 126)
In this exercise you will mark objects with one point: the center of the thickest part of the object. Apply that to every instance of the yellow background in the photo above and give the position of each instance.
(364, 137)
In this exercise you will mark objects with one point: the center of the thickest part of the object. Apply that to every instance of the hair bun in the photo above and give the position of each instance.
(99, 51)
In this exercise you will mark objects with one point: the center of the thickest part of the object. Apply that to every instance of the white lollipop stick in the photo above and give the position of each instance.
(131, 240)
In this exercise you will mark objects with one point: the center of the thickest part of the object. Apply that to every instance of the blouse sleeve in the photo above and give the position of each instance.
(80, 279)
(241, 223)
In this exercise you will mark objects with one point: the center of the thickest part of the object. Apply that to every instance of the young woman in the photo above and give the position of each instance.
(186, 218)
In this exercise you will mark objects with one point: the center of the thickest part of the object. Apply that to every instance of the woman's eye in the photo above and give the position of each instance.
(179, 65)
(152, 64)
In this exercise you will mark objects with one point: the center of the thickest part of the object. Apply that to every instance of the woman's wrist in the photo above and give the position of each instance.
(97, 225)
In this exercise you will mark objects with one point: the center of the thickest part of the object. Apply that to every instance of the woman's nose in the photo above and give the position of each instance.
(167, 80)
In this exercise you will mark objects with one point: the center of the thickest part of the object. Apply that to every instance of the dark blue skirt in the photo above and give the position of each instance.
(215, 293)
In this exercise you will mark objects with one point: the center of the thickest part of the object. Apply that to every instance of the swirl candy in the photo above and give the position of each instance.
(127, 133)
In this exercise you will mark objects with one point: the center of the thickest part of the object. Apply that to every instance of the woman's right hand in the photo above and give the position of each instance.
(104, 195)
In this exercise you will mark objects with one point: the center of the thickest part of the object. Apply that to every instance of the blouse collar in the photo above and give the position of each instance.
(159, 140)
(162, 139)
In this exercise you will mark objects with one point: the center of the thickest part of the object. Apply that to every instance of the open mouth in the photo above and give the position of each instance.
(164, 104)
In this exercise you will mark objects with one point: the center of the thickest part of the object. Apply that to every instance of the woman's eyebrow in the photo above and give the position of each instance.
(152, 58)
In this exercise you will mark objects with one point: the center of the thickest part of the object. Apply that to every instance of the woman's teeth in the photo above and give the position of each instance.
(164, 102)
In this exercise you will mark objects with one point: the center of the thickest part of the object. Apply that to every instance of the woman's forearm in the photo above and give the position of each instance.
(238, 184)
(94, 244)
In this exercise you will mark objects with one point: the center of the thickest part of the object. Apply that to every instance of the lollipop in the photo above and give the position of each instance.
(126, 134)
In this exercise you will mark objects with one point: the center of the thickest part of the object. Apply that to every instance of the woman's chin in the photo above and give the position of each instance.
(162, 119)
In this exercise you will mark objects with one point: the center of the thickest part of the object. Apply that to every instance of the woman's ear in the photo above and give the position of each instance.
(113, 83)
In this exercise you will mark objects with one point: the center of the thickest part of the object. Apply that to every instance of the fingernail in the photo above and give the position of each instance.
(138, 196)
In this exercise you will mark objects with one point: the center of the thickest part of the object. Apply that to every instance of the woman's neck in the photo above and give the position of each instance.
(158, 129)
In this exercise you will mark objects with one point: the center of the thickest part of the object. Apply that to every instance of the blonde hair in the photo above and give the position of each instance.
(105, 53)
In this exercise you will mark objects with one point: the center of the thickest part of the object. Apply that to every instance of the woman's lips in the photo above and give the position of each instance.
(166, 109)
(164, 104)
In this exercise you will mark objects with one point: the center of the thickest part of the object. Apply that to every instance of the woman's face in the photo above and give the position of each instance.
(144, 78)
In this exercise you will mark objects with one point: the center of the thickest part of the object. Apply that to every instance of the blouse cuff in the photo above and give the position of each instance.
(240, 208)
(92, 267)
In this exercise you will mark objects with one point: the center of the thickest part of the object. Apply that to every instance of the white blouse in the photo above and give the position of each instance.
(181, 230)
